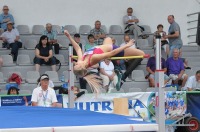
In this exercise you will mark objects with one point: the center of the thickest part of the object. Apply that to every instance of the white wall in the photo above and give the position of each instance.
(79, 12)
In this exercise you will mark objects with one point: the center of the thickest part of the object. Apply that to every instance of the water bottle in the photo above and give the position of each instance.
(62, 79)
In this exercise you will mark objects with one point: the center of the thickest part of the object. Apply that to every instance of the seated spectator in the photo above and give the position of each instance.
(13, 91)
(5, 17)
(78, 41)
(108, 75)
(175, 68)
(118, 64)
(164, 42)
(52, 37)
(44, 54)
(151, 67)
(113, 40)
(98, 33)
(126, 40)
(11, 39)
(44, 95)
(131, 64)
(193, 82)
(91, 43)
(131, 26)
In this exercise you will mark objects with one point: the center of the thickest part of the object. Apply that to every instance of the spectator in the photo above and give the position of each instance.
(52, 37)
(131, 64)
(99, 34)
(44, 54)
(113, 40)
(5, 17)
(164, 42)
(174, 35)
(193, 83)
(44, 95)
(13, 91)
(78, 41)
(11, 39)
(108, 75)
(151, 67)
(118, 64)
(175, 68)
(131, 26)
(126, 40)
(124, 63)
(91, 43)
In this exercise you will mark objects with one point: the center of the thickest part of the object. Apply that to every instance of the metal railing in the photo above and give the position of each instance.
(193, 13)
(192, 28)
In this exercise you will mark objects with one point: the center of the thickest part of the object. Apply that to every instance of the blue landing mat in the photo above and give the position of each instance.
(26, 117)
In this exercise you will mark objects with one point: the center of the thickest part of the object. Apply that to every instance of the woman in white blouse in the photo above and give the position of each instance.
(108, 75)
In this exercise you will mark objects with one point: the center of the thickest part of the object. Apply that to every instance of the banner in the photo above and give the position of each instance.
(16, 100)
(193, 104)
(140, 104)
(23, 100)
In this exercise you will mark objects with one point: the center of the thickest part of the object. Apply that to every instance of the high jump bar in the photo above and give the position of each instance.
(125, 57)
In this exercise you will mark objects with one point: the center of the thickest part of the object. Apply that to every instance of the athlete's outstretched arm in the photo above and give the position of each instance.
(75, 45)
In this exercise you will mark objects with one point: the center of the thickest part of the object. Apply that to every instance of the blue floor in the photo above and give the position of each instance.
(26, 117)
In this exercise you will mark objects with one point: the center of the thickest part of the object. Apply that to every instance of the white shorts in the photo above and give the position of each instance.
(174, 76)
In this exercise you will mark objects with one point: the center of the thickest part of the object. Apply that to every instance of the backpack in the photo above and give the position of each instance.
(15, 78)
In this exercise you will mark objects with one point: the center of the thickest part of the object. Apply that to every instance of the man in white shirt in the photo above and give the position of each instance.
(193, 83)
(126, 40)
(11, 39)
(44, 95)
(131, 64)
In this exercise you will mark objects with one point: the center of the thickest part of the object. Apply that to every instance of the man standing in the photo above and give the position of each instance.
(174, 35)
(11, 39)
(131, 26)
(52, 36)
(44, 95)
(5, 17)
(193, 83)
(175, 68)
(99, 34)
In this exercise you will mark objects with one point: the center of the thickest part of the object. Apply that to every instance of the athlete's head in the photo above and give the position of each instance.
(79, 69)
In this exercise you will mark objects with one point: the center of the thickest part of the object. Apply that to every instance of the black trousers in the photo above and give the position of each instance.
(56, 48)
(15, 47)
(132, 64)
